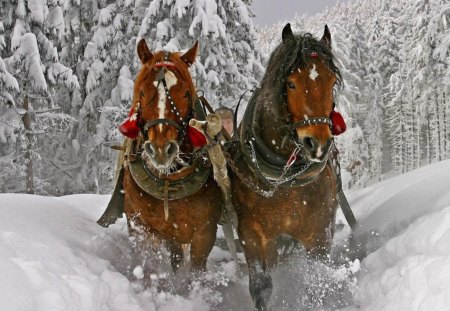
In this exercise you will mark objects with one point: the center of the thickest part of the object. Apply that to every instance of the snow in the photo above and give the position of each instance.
(124, 89)
(56, 20)
(405, 227)
(20, 10)
(106, 15)
(7, 81)
(18, 32)
(29, 51)
(53, 256)
(412, 268)
(313, 73)
(57, 72)
(95, 72)
(38, 10)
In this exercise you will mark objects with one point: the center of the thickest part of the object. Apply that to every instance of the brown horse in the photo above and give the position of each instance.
(170, 194)
(283, 179)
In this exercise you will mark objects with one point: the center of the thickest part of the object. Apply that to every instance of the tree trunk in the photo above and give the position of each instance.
(29, 153)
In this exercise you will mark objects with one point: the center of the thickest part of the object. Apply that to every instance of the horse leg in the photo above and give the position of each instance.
(176, 254)
(319, 248)
(142, 246)
(201, 246)
(260, 257)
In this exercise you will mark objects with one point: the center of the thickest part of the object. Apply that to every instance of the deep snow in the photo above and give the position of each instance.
(53, 256)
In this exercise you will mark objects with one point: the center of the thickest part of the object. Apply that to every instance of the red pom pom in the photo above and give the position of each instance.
(338, 122)
(196, 138)
(130, 126)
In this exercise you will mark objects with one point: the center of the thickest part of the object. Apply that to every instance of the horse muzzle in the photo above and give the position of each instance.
(162, 158)
(316, 151)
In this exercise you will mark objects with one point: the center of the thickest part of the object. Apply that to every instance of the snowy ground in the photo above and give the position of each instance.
(53, 256)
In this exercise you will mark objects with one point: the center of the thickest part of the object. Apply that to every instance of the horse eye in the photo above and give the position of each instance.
(291, 85)
(141, 94)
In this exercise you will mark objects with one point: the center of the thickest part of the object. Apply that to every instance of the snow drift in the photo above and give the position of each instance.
(53, 256)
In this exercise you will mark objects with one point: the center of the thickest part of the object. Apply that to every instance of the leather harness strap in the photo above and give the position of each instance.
(312, 121)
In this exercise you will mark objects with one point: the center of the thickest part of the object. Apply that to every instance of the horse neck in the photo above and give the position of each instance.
(269, 121)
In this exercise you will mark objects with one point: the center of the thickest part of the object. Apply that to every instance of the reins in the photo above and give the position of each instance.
(236, 110)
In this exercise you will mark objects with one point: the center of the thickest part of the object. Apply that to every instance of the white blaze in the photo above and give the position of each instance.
(319, 152)
(171, 80)
(313, 73)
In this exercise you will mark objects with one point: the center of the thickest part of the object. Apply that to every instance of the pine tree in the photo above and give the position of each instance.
(229, 62)
(105, 55)
(33, 30)
(10, 129)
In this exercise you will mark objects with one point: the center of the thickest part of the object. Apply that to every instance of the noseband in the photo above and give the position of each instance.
(311, 121)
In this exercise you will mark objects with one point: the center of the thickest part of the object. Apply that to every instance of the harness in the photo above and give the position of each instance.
(264, 171)
(273, 170)
(185, 181)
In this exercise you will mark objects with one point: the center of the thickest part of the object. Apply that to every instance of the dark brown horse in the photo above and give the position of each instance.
(169, 192)
(283, 180)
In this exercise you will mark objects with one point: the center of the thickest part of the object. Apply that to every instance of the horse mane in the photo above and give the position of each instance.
(289, 56)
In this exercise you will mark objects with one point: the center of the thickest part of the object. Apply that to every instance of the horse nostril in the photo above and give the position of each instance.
(171, 149)
(310, 143)
(149, 149)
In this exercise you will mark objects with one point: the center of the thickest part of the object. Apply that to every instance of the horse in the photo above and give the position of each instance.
(284, 180)
(165, 185)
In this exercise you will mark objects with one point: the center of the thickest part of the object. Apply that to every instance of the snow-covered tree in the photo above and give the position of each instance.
(33, 30)
(229, 62)
(71, 64)
(107, 58)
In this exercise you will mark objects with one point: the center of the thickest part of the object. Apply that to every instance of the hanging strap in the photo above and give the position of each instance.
(116, 204)
(342, 199)
(346, 209)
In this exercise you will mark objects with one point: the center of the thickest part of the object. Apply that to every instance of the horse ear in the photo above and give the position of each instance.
(326, 38)
(189, 56)
(287, 33)
(143, 51)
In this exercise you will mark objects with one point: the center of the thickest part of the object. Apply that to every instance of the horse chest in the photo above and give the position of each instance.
(186, 215)
(296, 211)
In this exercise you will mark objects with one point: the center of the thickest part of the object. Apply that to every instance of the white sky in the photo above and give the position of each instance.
(269, 12)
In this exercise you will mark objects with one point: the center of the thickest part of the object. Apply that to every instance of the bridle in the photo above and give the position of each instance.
(311, 121)
(180, 127)
(291, 133)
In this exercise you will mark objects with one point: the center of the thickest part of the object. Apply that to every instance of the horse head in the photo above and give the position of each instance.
(309, 92)
(163, 99)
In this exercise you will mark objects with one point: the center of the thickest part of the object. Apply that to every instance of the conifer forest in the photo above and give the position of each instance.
(67, 69)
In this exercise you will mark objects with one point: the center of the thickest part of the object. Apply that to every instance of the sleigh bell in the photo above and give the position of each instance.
(338, 123)
(130, 126)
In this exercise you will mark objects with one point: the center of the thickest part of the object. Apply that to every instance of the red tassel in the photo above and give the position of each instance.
(196, 138)
(130, 126)
(338, 122)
